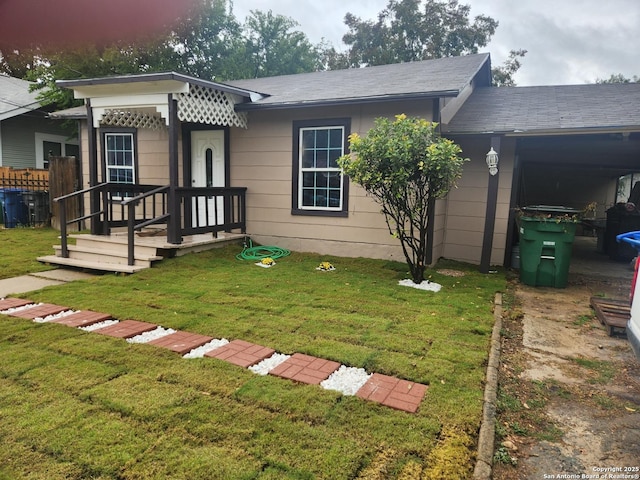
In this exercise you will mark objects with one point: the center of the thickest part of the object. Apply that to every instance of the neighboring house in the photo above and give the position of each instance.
(278, 138)
(27, 136)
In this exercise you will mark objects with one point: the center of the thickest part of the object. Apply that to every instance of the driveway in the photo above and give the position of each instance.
(572, 391)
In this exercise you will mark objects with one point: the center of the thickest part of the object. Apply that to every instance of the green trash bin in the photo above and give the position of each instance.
(545, 250)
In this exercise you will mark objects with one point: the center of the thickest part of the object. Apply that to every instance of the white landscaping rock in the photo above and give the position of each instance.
(207, 347)
(268, 364)
(99, 325)
(50, 318)
(347, 380)
(9, 311)
(425, 285)
(151, 335)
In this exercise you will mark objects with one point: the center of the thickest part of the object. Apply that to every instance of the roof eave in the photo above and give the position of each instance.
(547, 132)
(344, 101)
(19, 110)
(154, 77)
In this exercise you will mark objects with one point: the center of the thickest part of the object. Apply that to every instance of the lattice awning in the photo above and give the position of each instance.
(211, 107)
(201, 104)
(134, 118)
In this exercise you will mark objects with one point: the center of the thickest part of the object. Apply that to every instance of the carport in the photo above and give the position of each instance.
(574, 146)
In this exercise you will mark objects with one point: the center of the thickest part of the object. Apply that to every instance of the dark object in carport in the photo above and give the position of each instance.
(545, 250)
(620, 220)
(612, 313)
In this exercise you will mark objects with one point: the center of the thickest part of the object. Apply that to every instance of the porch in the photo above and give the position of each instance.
(143, 129)
(132, 225)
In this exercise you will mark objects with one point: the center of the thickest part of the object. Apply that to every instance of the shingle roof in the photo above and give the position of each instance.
(439, 77)
(15, 97)
(548, 109)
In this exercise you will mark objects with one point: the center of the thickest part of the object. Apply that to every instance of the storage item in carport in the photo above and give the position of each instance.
(620, 220)
(545, 250)
(633, 325)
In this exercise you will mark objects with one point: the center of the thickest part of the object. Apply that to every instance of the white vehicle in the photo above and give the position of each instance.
(633, 325)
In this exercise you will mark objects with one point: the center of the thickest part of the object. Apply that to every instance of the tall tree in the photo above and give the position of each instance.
(208, 42)
(274, 47)
(408, 30)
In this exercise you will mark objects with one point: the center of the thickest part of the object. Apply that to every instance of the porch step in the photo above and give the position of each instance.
(112, 243)
(91, 265)
(93, 254)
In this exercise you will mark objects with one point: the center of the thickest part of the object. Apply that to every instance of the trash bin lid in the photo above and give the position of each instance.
(551, 209)
(632, 238)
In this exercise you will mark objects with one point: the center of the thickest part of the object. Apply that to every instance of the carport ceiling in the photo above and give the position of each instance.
(613, 153)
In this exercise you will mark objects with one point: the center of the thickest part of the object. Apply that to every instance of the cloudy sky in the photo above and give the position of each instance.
(568, 41)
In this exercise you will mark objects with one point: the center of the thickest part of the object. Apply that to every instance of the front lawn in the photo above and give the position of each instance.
(20, 246)
(78, 405)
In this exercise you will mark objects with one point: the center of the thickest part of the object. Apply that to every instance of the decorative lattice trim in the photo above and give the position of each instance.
(213, 107)
(134, 119)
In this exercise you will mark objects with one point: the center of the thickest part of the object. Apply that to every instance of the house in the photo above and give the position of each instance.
(258, 156)
(27, 136)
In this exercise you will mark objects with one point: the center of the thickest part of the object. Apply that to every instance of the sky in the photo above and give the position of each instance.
(567, 41)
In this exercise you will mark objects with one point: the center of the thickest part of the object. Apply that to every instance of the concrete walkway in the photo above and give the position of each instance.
(36, 281)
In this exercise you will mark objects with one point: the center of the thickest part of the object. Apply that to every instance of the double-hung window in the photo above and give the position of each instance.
(119, 157)
(319, 187)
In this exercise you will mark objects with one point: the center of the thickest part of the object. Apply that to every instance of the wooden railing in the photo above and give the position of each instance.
(153, 212)
(201, 210)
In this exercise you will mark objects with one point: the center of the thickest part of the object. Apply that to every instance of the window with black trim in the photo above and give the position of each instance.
(119, 157)
(319, 187)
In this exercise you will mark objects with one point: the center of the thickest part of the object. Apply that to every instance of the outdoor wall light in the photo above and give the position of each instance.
(492, 161)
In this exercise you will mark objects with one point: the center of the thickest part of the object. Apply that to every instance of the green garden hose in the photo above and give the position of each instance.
(256, 254)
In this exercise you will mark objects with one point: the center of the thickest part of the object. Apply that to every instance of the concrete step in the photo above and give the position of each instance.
(106, 256)
(90, 265)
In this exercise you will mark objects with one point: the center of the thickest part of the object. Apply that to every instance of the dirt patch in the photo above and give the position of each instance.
(569, 397)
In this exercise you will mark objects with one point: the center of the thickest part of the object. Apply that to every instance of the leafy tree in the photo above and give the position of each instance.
(408, 30)
(405, 165)
(619, 78)
(207, 43)
(503, 75)
(275, 48)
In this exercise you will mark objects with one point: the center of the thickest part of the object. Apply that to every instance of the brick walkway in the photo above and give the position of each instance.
(389, 391)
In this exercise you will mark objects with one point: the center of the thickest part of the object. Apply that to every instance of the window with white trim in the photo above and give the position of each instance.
(119, 155)
(320, 188)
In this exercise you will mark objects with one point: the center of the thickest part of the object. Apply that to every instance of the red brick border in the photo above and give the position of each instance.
(8, 303)
(126, 329)
(82, 318)
(181, 342)
(39, 311)
(393, 392)
(305, 369)
(241, 353)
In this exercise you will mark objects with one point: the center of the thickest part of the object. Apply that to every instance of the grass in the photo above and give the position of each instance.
(598, 371)
(78, 405)
(20, 246)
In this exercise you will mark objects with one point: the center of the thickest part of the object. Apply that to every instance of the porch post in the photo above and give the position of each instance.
(174, 234)
(490, 216)
(92, 145)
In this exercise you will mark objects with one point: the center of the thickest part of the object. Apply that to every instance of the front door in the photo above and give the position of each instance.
(207, 170)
